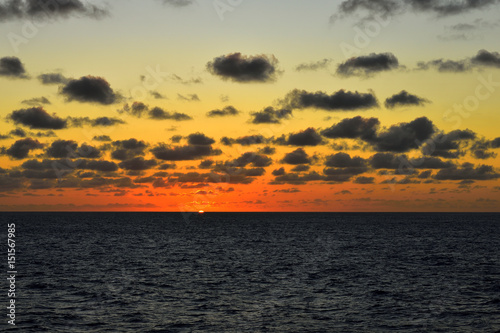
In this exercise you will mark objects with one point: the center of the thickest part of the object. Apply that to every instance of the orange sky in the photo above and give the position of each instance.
(151, 106)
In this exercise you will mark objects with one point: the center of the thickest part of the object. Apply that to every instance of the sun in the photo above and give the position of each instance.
(201, 212)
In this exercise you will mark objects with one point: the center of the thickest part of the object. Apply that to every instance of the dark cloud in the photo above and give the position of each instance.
(90, 89)
(296, 157)
(240, 68)
(21, 148)
(206, 164)
(102, 138)
(404, 99)
(486, 58)
(338, 101)
(483, 58)
(176, 138)
(227, 111)
(364, 180)
(104, 166)
(386, 8)
(449, 66)
(101, 121)
(48, 10)
(404, 137)
(450, 145)
(254, 159)
(188, 98)
(19, 132)
(308, 137)
(267, 150)
(480, 149)
(245, 140)
(313, 66)
(160, 114)
(495, 143)
(37, 118)
(178, 3)
(70, 149)
(468, 172)
(64, 165)
(36, 101)
(52, 78)
(137, 164)
(200, 139)
(343, 160)
(279, 172)
(136, 109)
(353, 128)
(301, 168)
(9, 184)
(368, 65)
(340, 175)
(182, 153)
(128, 149)
(11, 67)
(179, 79)
(406, 165)
(425, 174)
(157, 95)
(270, 116)
(297, 179)
(385, 161)
(167, 166)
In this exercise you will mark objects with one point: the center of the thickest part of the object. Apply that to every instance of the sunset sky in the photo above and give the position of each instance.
(249, 105)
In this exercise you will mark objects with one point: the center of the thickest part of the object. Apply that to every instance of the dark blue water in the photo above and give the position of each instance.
(122, 272)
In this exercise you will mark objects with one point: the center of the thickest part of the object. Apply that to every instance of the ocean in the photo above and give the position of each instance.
(255, 272)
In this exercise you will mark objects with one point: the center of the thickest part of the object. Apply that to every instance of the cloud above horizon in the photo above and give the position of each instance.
(243, 69)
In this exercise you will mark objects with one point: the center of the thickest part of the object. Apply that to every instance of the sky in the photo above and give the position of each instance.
(250, 105)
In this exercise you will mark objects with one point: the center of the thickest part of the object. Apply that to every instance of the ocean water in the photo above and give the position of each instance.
(233, 272)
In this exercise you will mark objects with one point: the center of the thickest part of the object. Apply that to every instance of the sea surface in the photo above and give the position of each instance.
(255, 272)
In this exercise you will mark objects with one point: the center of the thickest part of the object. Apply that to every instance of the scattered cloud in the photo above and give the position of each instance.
(90, 89)
(353, 128)
(70, 149)
(467, 172)
(52, 78)
(11, 67)
(313, 66)
(137, 164)
(37, 118)
(367, 66)
(21, 148)
(270, 116)
(101, 121)
(445, 66)
(36, 101)
(226, 111)
(183, 153)
(339, 101)
(200, 139)
(308, 137)
(48, 10)
(160, 114)
(298, 156)
(239, 68)
(404, 136)
(188, 98)
(389, 8)
(128, 149)
(178, 3)
(404, 99)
